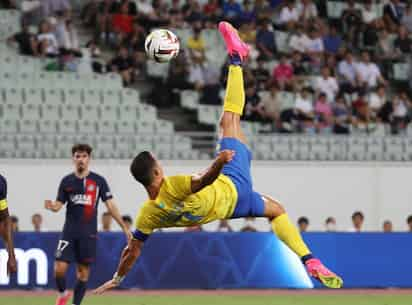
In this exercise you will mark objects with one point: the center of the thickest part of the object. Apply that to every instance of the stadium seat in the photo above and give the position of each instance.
(145, 127)
(144, 143)
(374, 149)
(157, 70)
(73, 97)
(8, 80)
(393, 148)
(129, 97)
(64, 144)
(28, 126)
(89, 112)
(104, 146)
(335, 9)
(47, 146)
(181, 143)
(189, 99)
(70, 112)
(13, 96)
(111, 81)
(110, 97)
(108, 113)
(319, 148)
(163, 127)
(53, 96)
(8, 126)
(86, 126)
(26, 146)
(126, 127)
(67, 126)
(34, 96)
(106, 127)
(92, 97)
(147, 112)
(124, 147)
(8, 146)
(48, 126)
(281, 39)
(10, 111)
(401, 71)
(24, 80)
(356, 148)
(50, 111)
(128, 113)
(207, 114)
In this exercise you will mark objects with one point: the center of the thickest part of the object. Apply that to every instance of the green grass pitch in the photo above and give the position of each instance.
(291, 299)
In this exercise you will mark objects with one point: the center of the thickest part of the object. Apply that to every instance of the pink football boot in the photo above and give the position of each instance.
(322, 274)
(234, 44)
(62, 299)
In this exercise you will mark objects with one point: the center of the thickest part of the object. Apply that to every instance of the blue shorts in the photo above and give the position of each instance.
(79, 249)
(249, 203)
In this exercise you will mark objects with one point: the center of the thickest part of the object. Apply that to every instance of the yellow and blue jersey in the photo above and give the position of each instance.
(3, 193)
(177, 206)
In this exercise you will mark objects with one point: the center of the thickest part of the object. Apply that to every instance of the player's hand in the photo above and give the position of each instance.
(106, 286)
(226, 155)
(129, 236)
(48, 204)
(11, 265)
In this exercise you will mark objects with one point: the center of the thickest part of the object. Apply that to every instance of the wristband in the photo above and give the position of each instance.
(118, 279)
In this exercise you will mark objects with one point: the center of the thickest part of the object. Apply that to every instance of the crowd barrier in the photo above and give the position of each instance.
(223, 260)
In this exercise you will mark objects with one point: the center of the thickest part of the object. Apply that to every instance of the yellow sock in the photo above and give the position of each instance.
(235, 93)
(290, 235)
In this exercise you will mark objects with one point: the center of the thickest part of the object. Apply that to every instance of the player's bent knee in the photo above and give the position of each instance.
(83, 272)
(273, 208)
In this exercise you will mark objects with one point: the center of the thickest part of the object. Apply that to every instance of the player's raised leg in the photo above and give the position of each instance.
(289, 234)
(235, 94)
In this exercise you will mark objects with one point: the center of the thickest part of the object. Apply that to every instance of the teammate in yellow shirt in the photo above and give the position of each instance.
(5, 227)
(222, 191)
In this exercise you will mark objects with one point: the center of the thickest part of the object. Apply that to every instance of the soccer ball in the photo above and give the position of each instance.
(162, 45)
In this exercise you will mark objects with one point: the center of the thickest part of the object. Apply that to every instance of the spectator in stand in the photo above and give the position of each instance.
(93, 52)
(403, 44)
(265, 41)
(332, 41)
(307, 11)
(303, 110)
(224, 226)
(326, 84)
(14, 223)
(37, 221)
(298, 64)
(400, 114)
(376, 101)
(261, 74)
(249, 225)
(283, 75)
(347, 73)
(330, 224)
(299, 41)
(407, 17)
(145, 9)
(369, 14)
(386, 52)
(48, 45)
(303, 224)
(368, 73)
(26, 41)
(324, 114)
(212, 9)
(248, 14)
(351, 20)
(128, 221)
(106, 222)
(122, 24)
(315, 49)
(232, 11)
(196, 43)
(104, 18)
(272, 106)
(342, 116)
(387, 226)
(357, 221)
(254, 110)
(66, 33)
(50, 7)
(392, 14)
(409, 223)
(289, 15)
(361, 116)
(123, 64)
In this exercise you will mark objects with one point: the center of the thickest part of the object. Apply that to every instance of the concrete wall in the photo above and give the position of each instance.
(316, 190)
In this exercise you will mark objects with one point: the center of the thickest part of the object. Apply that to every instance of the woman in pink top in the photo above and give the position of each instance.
(324, 113)
(283, 74)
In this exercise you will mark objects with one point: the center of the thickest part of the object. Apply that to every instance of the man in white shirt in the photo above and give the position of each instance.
(326, 84)
(357, 221)
(299, 41)
(304, 104)
(315, 43)
(368, 73)
(289, 14)
(307, 10)
(376, 100)
(347, 73)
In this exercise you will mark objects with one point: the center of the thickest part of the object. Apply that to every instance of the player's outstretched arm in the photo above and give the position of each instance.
(114, 211)
(129, 256)
(210, 175)
(6, 234)
(53, 206)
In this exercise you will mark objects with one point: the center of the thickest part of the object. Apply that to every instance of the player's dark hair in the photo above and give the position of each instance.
(358, 214)
(409, 219)
(142, 168)
(127, 218)
(82, 148)
(302, 220)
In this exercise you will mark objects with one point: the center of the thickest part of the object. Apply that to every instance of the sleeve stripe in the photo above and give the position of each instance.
(3, 204)
(139, 235)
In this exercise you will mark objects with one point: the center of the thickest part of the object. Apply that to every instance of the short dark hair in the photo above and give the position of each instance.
(409, 219)
(303, 219)
(330, 219)
(142, 168)
(358, 213)
(82, 148)
(127, 218)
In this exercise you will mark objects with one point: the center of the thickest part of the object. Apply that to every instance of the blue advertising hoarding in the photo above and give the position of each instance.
(223, 260)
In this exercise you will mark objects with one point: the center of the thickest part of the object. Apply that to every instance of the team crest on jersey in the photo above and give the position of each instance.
(90, 188)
